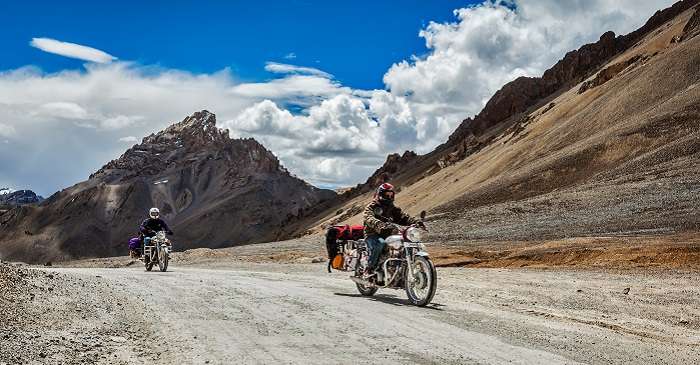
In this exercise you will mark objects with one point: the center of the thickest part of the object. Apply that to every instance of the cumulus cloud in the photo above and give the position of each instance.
(72, 50)
(60, 127)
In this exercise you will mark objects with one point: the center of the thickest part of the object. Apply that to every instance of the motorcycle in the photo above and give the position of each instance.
(158, 251)
(405, 264)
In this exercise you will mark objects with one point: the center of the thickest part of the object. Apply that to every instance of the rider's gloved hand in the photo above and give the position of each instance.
(390, 228)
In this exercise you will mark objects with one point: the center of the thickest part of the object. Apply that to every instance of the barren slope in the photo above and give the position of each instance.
(614, 153)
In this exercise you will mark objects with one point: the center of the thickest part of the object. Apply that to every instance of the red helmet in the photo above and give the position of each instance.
(385, 193)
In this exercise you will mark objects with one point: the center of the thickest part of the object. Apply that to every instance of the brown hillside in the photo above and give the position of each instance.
(606, 143)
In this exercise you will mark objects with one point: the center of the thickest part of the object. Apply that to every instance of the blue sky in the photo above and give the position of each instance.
(330, 87)
(357, 41)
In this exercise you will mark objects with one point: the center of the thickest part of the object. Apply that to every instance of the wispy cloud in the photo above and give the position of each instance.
(290, 56)
(72, 50)
(283, 68)
(129, 139)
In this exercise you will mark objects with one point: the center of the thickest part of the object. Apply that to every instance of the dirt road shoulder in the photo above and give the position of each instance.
(49, 317)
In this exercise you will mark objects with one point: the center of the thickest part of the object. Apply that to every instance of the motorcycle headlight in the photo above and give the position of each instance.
(414, 234)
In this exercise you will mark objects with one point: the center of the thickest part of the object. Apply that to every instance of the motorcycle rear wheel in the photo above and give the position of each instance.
(149, 265)
(420, 292)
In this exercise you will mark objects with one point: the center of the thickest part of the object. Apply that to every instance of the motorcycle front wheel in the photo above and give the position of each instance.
(163, 259)
(421, 289)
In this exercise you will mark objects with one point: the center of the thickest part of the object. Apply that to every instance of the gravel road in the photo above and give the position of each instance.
(296, 313)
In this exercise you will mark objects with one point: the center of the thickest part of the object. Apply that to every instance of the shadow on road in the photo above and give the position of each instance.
(391, 299)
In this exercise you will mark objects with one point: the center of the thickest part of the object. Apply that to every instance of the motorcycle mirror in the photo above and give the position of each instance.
(423, 214)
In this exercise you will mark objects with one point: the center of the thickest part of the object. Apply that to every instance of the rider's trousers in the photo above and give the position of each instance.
(375, 244)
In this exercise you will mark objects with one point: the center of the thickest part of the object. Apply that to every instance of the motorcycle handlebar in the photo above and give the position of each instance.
(402, 229)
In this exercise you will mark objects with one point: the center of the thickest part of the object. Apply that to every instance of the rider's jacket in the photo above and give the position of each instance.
(377, 217)
(151, 226)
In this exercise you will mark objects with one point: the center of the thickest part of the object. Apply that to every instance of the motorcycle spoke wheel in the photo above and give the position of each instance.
(162, 260)
(421, 289)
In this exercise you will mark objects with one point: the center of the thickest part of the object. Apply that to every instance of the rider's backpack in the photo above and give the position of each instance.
(336, 238)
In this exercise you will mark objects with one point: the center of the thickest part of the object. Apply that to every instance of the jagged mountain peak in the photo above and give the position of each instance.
(193, 141)
(199, 120)
(198, 128)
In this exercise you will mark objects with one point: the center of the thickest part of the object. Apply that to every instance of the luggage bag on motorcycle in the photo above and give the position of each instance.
(135, 244)
(336, 239)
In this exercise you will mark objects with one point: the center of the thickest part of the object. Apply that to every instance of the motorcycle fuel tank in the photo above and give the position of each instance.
(394, 241)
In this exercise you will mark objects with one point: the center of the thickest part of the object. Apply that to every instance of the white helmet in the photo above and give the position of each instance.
(154, 213)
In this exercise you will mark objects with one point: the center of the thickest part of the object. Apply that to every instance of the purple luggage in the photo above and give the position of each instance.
(135, 244)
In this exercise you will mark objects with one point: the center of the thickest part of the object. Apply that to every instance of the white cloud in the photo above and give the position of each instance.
(7, 130)
(265, 118)
(283, 68)
(290, 56)
(72, 50)
(129, 139)
(119, 122)
(323, 131)
(63, 110)
(292, 87)
(80, 116)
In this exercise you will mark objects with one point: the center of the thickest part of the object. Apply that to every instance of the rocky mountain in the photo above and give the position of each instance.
(10, 197)
(213, 190)
(606, 142)
(524, 93)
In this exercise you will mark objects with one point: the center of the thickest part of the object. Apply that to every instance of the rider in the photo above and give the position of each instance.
(381, 217)
(152, 225)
